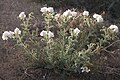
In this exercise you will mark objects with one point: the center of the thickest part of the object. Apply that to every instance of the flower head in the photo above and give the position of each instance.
(76, 31)
(11, 34)
(50, 9)
(67, 13)
(48, 34)
(85, 69)
(45, 9)
(86, 13)
(73, 13)
(43, 33)
(22, 15)
(98, 17)
(114, 28)
(5, 35)
(17, 31)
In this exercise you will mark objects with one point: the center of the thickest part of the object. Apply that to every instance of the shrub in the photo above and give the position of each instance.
(68, 41)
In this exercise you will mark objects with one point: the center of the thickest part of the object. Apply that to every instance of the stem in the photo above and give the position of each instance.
(69, 45)
(63, 41)
(25, 48)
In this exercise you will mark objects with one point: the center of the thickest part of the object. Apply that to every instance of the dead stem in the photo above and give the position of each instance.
(29, 75)
(111, 44)
(110, 70)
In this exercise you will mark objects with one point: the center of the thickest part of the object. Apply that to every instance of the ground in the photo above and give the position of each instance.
(12, 61)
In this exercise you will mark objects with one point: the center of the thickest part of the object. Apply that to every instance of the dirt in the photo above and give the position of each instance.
(13, 65)
(12, 62)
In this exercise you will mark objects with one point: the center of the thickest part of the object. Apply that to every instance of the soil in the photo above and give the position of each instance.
(12, 62)
(13, 65)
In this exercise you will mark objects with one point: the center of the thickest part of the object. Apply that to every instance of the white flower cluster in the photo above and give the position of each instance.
(17, 31)
(22, 15)
(69, 13)
(114, 28)
(10, 34)
(85, 13)
(7, 34)
(85, 69)
(98, 17)
(74, 32)
(45, 9)
(48, 34)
